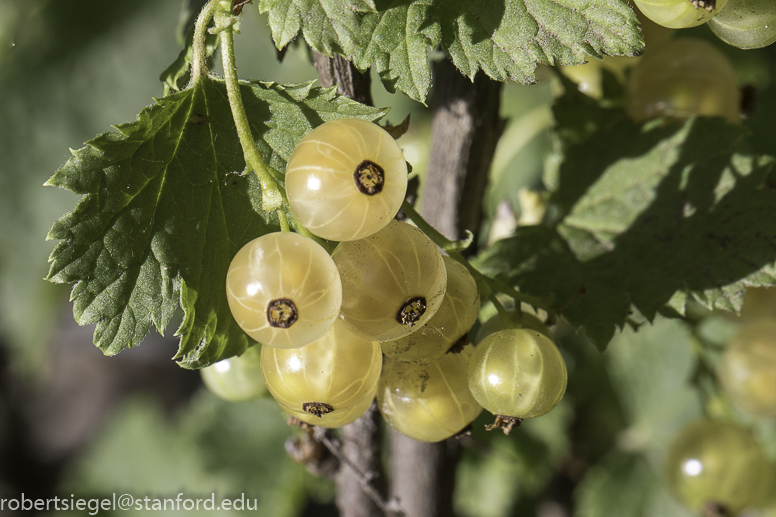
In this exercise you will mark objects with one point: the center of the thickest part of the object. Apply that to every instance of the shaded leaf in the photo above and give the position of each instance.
(673, 211)
(626, 486)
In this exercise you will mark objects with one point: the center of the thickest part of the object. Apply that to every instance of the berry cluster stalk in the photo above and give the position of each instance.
(271, 197)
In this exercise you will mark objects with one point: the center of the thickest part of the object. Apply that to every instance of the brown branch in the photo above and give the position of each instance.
(349, 81)
(357, 492)
(465, 130)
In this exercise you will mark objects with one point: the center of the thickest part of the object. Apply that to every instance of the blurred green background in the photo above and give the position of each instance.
(75, 422)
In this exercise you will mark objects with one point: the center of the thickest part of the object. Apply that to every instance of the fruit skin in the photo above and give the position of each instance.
(339, 370)
(284, 266)
(588, 76)
(518, 373)
(718, 462)
(320, 182)
(428, 402)
(746, 24)
(237, 378)
(747, 368)
(384, 271)
(760, 302)
(453, 320)
(683, 78)
(677, 14)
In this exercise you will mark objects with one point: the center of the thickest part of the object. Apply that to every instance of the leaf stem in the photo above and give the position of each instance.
(433, 234)
(199, 56)
(502, 312)
(271, 197)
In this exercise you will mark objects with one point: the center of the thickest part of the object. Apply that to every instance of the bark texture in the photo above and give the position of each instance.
(423, 475)
(465, 129)
(361, 446)
(349, 81)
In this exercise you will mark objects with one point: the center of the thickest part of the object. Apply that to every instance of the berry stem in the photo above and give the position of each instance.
(283, 220)
(272, 198)
(502, 312)
(199, 57)
(705, 379)
(440, 240)
(485, 283)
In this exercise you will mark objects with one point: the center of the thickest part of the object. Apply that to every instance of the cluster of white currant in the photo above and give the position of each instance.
(745, 24)
(720, 464)
(683, 77)
(324, 321)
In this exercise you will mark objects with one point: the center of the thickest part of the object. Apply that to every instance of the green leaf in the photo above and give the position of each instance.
(652, 215)
(395, 42)
(328, 26)
(165, 207)
(625, 485)
(506, 39)
(232, 450)
(505, 469)
(650, 371)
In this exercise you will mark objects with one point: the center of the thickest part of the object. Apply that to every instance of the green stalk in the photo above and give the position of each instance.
(283, 220)
(271, 197)
(486, 283)
(199, 56)
(506, 320)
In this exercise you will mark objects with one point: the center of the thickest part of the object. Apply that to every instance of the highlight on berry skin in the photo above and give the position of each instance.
(718, 464)
(517, 373)
(237, 378)
(284, 290)
(346, 179)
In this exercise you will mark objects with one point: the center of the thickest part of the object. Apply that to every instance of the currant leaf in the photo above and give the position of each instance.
(328, 26)
(676, 212)
(505, 39)
(166, 206)
(396, 40)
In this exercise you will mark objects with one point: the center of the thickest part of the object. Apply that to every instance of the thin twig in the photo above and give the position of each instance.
(389, 508)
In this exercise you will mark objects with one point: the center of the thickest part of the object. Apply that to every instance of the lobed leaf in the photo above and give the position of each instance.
(328, 26)
(506, 39)
(166, 206)
(672, 212)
